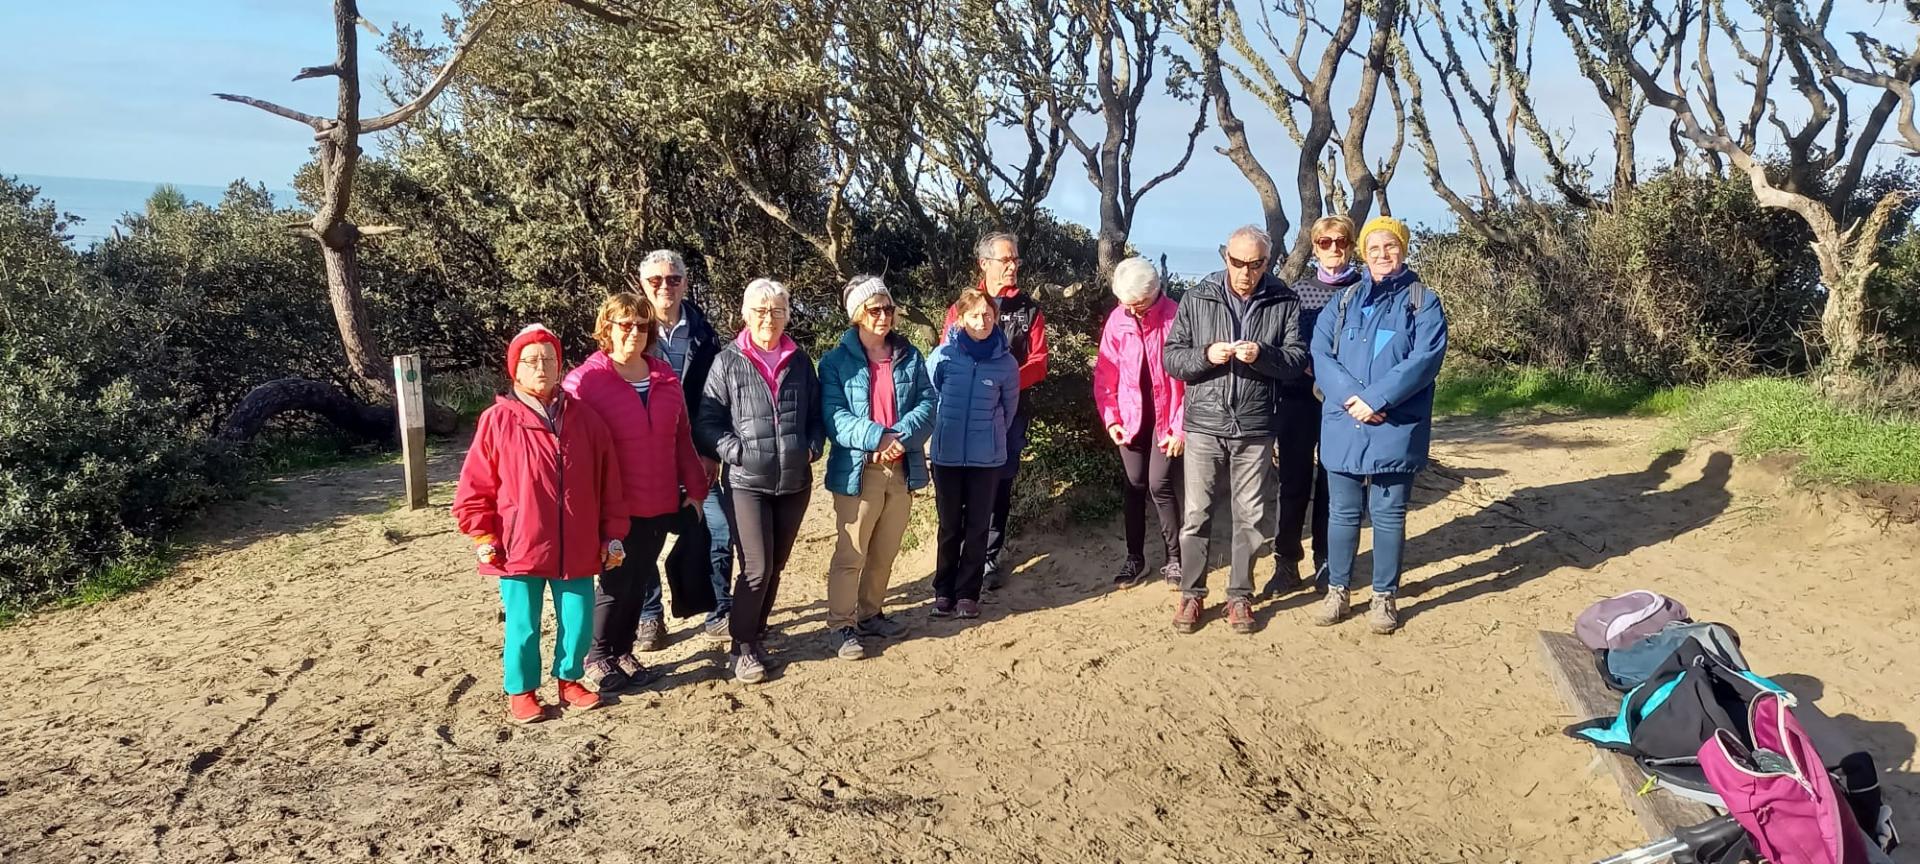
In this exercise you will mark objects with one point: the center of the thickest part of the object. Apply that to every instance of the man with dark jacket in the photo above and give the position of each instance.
(690, 344)
(1236, 341)
(1026, 327)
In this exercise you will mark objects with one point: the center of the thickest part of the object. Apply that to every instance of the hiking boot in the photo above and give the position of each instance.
(1129, 573)
(1286, 578)
(748, 668)
(882, 626)
(573, 695)
(1240, 615)
(526, 708)
(605, 676)
(717, 630)
(942, 607)
(652, 635)
(845, 644)
(1382, 617)
(1171, 572)
(1186, 618)
(967, 609)
(1332, 608)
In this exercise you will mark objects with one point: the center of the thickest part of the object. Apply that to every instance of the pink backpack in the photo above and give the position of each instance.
(1779, 790)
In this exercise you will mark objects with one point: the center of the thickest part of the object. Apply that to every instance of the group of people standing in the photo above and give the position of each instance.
(1214, 399)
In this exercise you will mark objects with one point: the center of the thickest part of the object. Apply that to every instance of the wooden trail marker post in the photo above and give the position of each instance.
(412, 408)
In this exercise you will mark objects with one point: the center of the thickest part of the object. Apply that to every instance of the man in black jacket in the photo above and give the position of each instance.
(689, 343)
(1235, 341)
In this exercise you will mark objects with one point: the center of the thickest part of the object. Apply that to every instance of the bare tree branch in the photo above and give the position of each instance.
(475, 29)
(278, 110)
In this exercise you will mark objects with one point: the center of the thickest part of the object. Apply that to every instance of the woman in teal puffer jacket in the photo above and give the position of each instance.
(878, 404)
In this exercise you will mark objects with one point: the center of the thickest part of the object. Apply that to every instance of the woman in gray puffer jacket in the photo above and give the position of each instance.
(761, 414)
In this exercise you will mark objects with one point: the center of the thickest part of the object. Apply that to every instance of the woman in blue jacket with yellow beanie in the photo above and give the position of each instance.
(1377, 348)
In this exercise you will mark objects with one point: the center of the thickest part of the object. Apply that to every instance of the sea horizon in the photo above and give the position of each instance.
(98, 204)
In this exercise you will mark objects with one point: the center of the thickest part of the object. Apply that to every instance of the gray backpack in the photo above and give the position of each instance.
(1626, 668)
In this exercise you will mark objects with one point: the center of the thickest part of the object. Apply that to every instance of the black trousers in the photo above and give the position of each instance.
(964, 499)
(1150, 475)
(1302, 480)
(623, 590)
(764, 529)
(1003, 492)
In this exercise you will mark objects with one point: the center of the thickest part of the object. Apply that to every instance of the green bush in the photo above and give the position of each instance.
(99, 453)
(1684, 280)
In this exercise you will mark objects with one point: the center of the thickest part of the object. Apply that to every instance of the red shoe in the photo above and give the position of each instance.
(526, 708)
(1186, 618)
(1240, 616)
(575, 695)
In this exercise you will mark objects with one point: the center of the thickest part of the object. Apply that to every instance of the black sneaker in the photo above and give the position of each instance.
(992, 580)
(1129, 573)
(1286, 578)
(882, 626)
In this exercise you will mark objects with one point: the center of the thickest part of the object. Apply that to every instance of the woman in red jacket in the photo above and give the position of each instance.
(636, 392)
(540, 496)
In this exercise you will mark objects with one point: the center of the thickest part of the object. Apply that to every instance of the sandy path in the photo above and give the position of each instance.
(322, 684)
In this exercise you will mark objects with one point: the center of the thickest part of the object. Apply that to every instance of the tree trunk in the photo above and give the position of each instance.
(350, 312)
(274, 398)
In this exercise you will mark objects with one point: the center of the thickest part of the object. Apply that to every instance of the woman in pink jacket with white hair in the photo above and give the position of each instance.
(1142, 408)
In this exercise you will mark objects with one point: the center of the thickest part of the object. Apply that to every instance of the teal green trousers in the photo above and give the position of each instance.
(520, 597)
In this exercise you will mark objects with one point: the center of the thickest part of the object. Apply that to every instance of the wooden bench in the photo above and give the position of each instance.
(1570, 664)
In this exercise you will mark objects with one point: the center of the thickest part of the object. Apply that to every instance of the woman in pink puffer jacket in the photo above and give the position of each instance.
(1142, 408)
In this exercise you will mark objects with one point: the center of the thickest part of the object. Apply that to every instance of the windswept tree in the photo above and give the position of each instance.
(337, 145)
(1111, 81)
(1787, 82)
(1294, 79)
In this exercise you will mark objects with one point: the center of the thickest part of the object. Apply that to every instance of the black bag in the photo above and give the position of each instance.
(689, 568)
(1663, 722)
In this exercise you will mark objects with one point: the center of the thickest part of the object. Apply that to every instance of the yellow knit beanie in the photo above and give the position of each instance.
(1390, 225)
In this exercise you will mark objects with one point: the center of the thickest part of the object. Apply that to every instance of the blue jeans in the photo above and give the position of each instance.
(1384, 498)
(721, 553)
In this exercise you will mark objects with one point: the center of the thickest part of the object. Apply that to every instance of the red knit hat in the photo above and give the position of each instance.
(532, 334)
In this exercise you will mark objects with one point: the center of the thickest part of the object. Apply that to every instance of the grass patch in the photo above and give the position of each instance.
(279, 452)
(116, 578)
(1487, 391)
(1777, 415)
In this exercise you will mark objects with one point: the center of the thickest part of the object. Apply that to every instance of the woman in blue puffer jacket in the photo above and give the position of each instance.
(976, 385)
(1377, 348)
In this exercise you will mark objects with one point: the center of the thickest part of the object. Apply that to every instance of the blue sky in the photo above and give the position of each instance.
(121, 89)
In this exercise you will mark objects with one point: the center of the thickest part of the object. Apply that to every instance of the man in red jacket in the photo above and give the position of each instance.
(1026, 327)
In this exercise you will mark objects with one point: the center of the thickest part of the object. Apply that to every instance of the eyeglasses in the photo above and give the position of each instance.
(1237, 264)
(675, 280)
(877, 311)
(1333, 242)
(631, 325)
(1005, 262)
(775, 312)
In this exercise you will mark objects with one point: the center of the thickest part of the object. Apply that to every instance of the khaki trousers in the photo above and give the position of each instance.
(869, 528)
